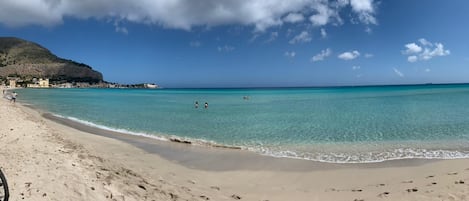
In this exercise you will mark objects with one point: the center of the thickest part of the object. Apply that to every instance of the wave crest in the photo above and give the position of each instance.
(367, 157)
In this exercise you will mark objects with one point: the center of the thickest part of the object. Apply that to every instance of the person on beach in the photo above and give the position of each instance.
(13, 97)
(206, 105)
(196, 105)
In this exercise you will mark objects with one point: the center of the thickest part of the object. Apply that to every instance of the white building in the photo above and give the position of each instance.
(42, 83)
(151, 86)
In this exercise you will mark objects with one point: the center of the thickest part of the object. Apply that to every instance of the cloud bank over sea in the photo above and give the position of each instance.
(186, 14)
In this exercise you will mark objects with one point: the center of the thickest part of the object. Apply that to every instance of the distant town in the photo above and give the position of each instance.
(17, 82)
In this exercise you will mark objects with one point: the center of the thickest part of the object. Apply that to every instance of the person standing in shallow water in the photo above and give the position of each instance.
(196, 105)
(206, 105)
(13, 97)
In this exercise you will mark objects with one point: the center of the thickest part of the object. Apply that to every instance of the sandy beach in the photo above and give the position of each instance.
(45, 159)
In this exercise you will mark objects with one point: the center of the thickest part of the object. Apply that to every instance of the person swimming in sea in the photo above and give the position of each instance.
(206, 105)
(196, 105)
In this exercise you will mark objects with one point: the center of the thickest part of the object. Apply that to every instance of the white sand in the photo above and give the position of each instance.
(44, 160)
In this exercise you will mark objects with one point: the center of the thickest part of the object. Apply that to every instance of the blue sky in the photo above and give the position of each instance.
(256, 43)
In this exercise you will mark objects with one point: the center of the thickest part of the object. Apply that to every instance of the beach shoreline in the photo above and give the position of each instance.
(198, 157)
(70, 164)
(147, 142)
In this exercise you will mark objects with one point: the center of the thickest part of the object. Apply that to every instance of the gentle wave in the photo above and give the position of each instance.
(366, 157)
(330, 157)
(172, 138)
(91, 124)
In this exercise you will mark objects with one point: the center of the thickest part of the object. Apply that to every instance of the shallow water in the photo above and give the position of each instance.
(348, 124)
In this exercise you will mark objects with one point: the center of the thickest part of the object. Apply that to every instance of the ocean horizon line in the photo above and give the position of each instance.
(325, 86)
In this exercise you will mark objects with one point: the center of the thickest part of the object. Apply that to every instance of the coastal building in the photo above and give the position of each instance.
(65, 85)
(82, 85)
(44, 83)
(13, 81)
(150, 86)
(41, 83)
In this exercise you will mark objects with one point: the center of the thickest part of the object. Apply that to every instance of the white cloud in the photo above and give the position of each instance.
(356, 67)
(290, 54)
(426, 51)
(121, 29)
(349, 55)
(368, 30)
(323, 33)
(183, 14)
(289, 32)
(398, 73)
(324, 14)
(303, 37)
(425, 42)
(412, 48)
(225, 48)
(412, 58)
(294, 18)
(368, 55)
(273, 36)
(362, 5)
(323, 54)
(195, 44)
(438, 51)
(365, 11)
(367, 18)
(253, 37)
(427, 70)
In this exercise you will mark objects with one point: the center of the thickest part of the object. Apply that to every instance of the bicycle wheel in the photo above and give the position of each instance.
(4, 194)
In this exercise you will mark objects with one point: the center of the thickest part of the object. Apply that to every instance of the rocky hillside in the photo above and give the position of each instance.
(27, 60)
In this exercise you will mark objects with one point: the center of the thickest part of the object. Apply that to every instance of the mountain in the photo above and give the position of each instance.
(26, 59)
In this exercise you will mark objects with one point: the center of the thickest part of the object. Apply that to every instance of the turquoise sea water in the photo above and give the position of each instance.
(342, 125)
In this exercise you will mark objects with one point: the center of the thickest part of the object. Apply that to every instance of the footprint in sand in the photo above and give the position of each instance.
(191, 181)
(142, 186)
(384, 194)
(410, 190)
(236, 197)
(431, 184)
(431, 176)
(459, 182)
(452, 173)
(215, 188)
